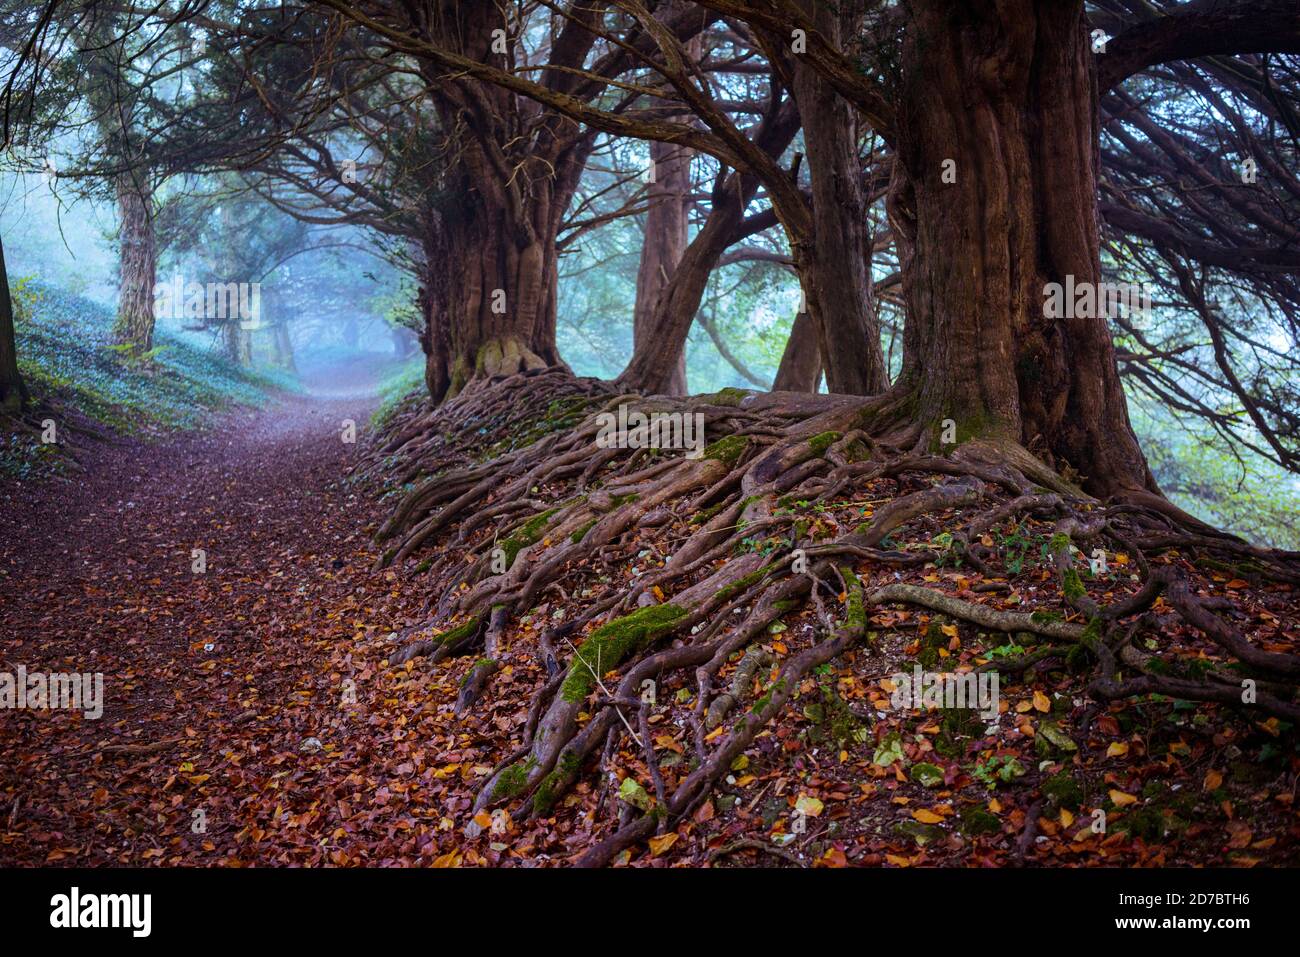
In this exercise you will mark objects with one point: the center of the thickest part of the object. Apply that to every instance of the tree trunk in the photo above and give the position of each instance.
(662, 251)
(834, 266)
(13, 392)
(1007, 92)
(506, 197)
(284, 347)
(801, 363)
(501, 294)
(138, 265)
(238, 342)
(654, 365)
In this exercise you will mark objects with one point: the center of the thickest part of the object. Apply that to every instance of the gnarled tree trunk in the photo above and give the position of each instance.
(506, 197)
(1003, 96)
(501, 287)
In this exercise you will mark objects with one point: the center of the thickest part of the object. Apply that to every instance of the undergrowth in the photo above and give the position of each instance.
(67, 360)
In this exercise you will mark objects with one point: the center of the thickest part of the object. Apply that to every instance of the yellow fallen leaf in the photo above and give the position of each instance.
(808, 805)
(926, 817)
(747, 779)
(1121, 799)
(1212, 780)
(483, 819)
(450, 859)
(1042, 702)
(1117, 749)
(658, 845)
(1066, 818)
(949, 630)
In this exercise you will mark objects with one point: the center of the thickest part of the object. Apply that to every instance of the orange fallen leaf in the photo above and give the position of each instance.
(658, 845)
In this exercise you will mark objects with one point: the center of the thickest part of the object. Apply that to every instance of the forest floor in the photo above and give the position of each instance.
(250, 718)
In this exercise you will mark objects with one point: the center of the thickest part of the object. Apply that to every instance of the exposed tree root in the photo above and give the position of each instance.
(769, 520)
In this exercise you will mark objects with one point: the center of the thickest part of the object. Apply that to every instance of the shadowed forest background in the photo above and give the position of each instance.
(468, 231)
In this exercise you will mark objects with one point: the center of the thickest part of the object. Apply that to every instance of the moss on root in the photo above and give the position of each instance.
(580, 533)
(728, 396)
(727, 449)
(462, 631)
(530, 533)
(1072, 585)
(1060, 542)
(824, 440)
(551, 786)
(512, 781)
(613, 642)
(745, 581)
(481, 663)
(856, 615)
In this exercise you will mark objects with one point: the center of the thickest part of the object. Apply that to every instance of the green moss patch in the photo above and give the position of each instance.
(613, 642)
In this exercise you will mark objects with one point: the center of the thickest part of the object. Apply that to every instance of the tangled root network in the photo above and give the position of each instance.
(652, 620)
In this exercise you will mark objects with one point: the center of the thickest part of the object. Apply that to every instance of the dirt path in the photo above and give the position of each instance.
(215, 682)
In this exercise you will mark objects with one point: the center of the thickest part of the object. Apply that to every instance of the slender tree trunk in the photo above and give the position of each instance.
(801, 363)
(238, 342)
(664, 245)
(138, 265)
(654, 365)
(13, 392)
(834, 266)
(1007, 93)
(284, 347)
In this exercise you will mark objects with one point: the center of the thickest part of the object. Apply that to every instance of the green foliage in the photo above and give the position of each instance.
(396, 387)
(1002, 768)
(1238, 491)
